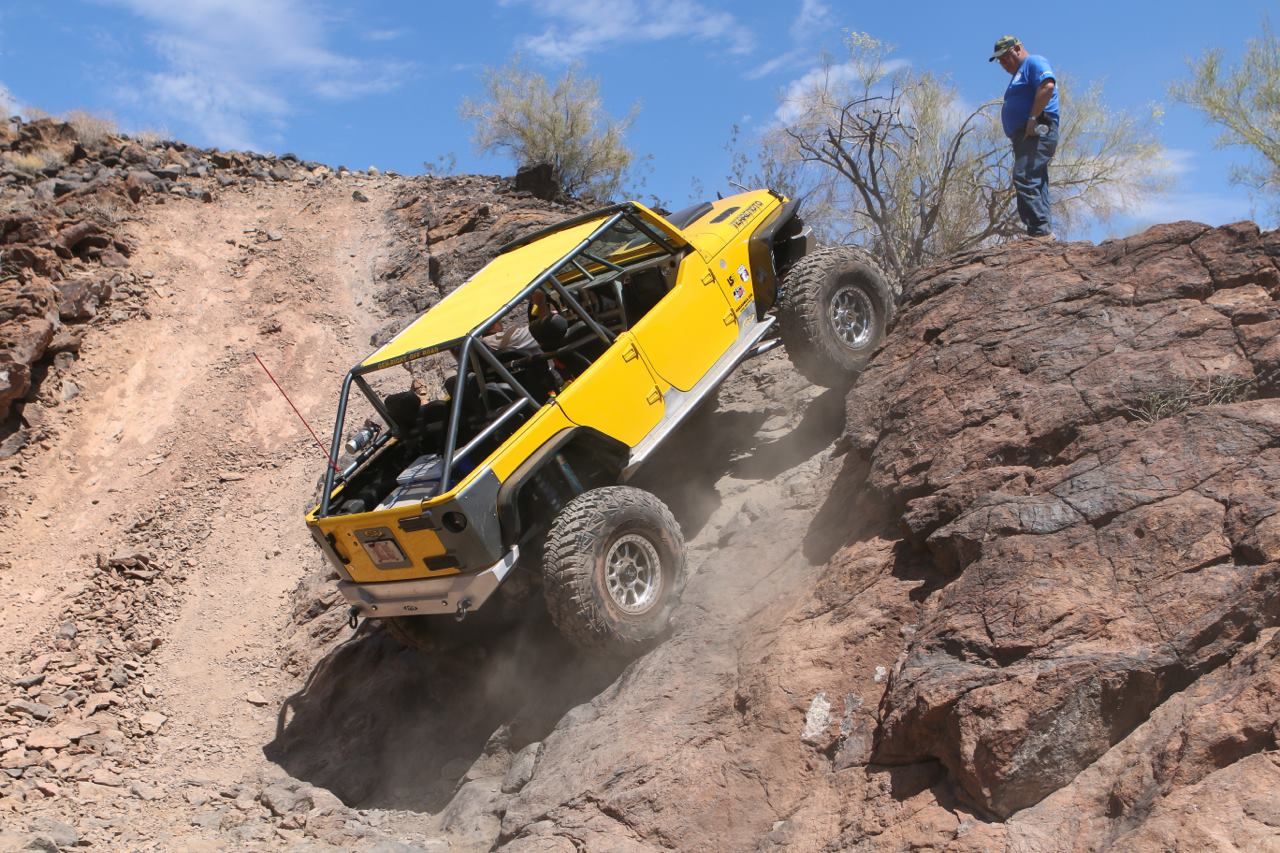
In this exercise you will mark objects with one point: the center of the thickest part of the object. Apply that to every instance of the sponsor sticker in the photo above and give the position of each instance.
(739, 292)
(743, 275)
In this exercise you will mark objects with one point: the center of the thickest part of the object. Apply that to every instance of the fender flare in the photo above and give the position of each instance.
(777, 243)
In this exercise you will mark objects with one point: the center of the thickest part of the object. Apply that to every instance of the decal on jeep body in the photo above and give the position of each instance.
(741, 218)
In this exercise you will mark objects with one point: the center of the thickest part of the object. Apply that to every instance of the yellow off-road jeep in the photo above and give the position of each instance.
(578, 350)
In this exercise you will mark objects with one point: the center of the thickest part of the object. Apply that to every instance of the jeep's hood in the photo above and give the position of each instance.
(482, 296)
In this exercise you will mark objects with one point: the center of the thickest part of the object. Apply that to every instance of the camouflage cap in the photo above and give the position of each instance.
(1004, 44)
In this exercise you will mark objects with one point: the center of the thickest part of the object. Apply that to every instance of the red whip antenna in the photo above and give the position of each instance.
(328, 458)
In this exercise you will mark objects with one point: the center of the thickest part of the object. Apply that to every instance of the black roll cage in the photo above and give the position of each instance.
(473, 350)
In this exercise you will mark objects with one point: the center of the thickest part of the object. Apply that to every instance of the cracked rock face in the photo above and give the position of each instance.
(1085, 442)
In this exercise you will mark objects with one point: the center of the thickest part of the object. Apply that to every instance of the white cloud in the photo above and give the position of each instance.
(232, 65)
(1140, 211)
(1177, 161)
(813, 21)
(580, 27)
(782, 60)
(9, 105)
(799, 92)
(382, 35)
(1209, 208)
(834, 79)
(812, 24)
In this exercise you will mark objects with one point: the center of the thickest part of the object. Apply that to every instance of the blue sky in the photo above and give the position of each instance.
(379, 83)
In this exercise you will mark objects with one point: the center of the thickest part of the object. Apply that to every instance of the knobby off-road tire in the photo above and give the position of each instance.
(613, 568)
(835, 308)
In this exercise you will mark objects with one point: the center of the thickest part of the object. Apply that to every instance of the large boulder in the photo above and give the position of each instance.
(1083, 441)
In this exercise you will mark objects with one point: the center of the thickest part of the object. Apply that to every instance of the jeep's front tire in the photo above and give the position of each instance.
(835, 307)
(613, 569)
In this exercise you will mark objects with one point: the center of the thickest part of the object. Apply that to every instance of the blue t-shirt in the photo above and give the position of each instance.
(1021, 94)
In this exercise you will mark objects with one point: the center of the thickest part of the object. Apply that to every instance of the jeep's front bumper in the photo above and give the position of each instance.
(428, 596)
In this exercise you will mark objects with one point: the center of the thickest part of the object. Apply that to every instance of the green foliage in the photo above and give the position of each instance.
(893, 159)
(1245, 101)
(562, 123)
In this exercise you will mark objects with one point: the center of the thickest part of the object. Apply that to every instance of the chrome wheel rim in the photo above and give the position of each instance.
(851, 316)
(633, 573)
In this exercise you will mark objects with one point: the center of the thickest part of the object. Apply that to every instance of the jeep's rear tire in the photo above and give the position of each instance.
(613, 569)
(835, 307)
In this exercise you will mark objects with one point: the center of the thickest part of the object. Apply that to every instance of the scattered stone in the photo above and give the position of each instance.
(99, 702)
(91, 792)
(32, 709)
(522, 768)
(16, 759)
(283, 798)
(62, 835)
(817, 721)
(74, 730)
(359, 196)
(47, 739)
(103, 776)
(152, 721)
(146, 792)
(473, 815)
(255, 698)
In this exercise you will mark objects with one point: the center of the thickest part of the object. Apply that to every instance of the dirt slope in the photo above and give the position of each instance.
(179, 448)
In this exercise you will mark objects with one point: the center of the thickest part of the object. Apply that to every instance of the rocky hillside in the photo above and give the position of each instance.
(1016, 590)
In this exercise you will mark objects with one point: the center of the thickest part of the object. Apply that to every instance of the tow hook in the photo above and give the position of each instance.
(353, 618)
(463, 606)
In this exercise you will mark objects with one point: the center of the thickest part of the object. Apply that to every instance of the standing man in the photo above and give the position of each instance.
(1030, 119)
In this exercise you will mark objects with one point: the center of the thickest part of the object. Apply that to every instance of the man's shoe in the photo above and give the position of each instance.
(1047, 236)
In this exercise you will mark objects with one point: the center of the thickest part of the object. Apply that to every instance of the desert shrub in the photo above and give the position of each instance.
(90, 129)
(563, 124)
(1217, 391)
(1244, 101)
(34, 162)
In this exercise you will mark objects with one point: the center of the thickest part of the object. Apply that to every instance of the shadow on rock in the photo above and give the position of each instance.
(822, 424)
(383, 726)
(684, 472)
